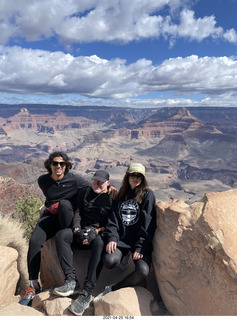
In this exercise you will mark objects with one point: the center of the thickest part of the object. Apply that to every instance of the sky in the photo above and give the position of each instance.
(127, 53)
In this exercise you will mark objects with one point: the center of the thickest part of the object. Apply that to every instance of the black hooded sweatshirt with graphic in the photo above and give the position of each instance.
(132, 225)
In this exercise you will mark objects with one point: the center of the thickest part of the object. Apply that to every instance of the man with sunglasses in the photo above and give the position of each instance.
(60, 188)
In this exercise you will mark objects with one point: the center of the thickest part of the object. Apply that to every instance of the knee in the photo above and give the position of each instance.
(64, 205)
(108, 262)
(142, 270)
(65, 213)
(111, 261)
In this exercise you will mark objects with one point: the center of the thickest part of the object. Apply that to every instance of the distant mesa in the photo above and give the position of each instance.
(25, 111)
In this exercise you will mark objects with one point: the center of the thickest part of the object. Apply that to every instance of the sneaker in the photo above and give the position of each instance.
(79, 305)
(69, 287)
(29, 296)
(108, 289)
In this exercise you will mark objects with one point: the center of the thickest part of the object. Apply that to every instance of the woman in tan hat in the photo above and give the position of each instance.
(130, 228)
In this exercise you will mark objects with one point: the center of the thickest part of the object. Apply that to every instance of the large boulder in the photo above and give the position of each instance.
(9, 277)
(195, 255)
(9, 274)
(15, 309)
(12, 235)
(127, 302)
(52, 305)
(51, 274)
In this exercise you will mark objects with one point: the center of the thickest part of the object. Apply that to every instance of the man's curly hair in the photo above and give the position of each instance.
(55, 154)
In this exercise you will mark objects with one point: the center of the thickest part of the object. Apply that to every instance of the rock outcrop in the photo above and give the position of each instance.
(195, 256)
(9, 274)
(124, 302)
(15, 309)
(11, 191)
(138, 301)
(12, 241)
(194, 262)
(46, 124)
(51, 274)
(127, 302)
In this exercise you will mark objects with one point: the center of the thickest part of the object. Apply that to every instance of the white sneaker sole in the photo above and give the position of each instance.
(65, 294)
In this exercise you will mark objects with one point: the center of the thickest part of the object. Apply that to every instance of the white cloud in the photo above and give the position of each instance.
(197, 29)
(102, 20)
(231, 36)
(42, 72)
(207, 75)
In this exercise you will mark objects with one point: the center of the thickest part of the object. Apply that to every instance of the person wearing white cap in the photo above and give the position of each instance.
(130, 228)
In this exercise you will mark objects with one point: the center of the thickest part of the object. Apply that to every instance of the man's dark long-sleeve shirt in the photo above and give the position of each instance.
(66, 188)
(92, 211)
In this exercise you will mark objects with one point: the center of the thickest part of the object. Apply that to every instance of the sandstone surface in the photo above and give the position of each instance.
(127, 302)
(195, 256)
(9, 274)
(15, 309)
(194, 261)
(51, 274)
(12, 241)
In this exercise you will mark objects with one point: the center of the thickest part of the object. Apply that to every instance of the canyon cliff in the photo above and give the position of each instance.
(186, 152)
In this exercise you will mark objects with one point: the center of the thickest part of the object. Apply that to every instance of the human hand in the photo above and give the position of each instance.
(111, 247)
(89, 236)
(113, 190)
(79, 233)
(137, 256)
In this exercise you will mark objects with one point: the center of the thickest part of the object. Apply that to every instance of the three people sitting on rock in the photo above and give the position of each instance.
(84, 215)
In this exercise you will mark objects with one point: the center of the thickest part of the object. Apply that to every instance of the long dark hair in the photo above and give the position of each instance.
(55, 154)
(139, 191)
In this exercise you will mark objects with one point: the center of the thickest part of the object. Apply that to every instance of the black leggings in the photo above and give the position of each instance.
(135, 278)
(45, 229)
(64, 241)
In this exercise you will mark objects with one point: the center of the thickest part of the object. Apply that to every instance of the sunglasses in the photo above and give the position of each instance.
(136, 175)
(56, 163)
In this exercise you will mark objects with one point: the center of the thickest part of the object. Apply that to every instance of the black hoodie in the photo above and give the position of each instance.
(132, 225)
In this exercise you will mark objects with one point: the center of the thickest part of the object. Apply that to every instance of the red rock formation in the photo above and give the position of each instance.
(157, 126)
(10, 191)
(45, 123)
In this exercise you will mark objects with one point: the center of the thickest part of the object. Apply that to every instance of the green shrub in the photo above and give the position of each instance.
(27, 212)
